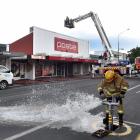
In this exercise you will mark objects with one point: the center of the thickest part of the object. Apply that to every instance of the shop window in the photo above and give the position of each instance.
(48, 70)
(15, 68)
(76, 69)
(86, 68)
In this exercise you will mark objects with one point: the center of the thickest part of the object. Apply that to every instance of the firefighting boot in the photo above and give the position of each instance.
(120, 120)
(105, 121)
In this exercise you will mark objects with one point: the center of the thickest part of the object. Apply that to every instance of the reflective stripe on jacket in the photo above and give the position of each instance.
(115, 86)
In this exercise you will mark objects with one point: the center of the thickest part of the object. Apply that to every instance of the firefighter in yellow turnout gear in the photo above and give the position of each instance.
(113, 86)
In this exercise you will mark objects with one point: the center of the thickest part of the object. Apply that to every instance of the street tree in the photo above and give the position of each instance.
(133, 53)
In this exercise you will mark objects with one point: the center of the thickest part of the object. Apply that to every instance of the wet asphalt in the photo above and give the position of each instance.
(17, 95)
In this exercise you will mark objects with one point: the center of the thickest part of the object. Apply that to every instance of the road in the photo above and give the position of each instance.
(69, 110)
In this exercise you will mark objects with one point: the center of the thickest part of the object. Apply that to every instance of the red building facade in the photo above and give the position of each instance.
(47, 53)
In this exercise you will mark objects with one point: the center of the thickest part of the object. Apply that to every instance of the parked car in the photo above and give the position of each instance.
(6, 77)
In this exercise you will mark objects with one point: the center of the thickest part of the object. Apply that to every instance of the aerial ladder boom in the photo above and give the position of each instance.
(70, 24)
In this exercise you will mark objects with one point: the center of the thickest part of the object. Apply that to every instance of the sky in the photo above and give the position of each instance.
(17, 16)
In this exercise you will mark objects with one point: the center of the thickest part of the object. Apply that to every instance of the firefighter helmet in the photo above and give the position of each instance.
(109, 75)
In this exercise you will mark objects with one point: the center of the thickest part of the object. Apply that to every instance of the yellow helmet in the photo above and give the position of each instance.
(109, 75)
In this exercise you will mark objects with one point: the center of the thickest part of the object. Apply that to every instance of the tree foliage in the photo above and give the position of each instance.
(133, 53)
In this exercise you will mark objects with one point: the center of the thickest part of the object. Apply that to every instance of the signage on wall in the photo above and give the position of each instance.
(38, 57)
(64, 45)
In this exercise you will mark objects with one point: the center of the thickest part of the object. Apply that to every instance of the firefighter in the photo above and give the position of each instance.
(113, 86)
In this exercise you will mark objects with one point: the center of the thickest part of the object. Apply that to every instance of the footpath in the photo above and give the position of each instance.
(26, 82)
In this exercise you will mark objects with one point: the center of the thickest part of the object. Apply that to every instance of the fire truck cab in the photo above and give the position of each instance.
(137, 63)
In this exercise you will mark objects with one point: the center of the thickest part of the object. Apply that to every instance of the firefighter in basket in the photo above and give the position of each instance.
(113, 86)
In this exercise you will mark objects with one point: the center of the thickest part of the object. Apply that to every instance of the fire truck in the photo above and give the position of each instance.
(137, 63)
(110, 61)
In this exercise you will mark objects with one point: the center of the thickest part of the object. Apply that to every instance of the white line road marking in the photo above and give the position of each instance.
(27, 131)
(137, 124)
(133, 87)
(127, 132)
(138, 137)
(138, 92)
(116, 119)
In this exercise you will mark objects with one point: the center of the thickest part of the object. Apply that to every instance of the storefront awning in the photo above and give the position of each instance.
(11, 54)
(71, 59)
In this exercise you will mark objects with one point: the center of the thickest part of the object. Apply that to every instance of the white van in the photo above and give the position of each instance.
(6, 77)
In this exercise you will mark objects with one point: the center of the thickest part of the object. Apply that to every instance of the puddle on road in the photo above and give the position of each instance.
(71, 112)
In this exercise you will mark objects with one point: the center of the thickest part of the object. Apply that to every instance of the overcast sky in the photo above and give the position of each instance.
(17, 16)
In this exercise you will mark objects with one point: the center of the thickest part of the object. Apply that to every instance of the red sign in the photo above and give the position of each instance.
(64, 45)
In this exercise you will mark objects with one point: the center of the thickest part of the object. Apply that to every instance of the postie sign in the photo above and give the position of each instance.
(64, 45)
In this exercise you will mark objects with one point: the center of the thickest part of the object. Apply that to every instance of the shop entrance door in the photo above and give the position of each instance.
(61, 69)
(69, 69)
